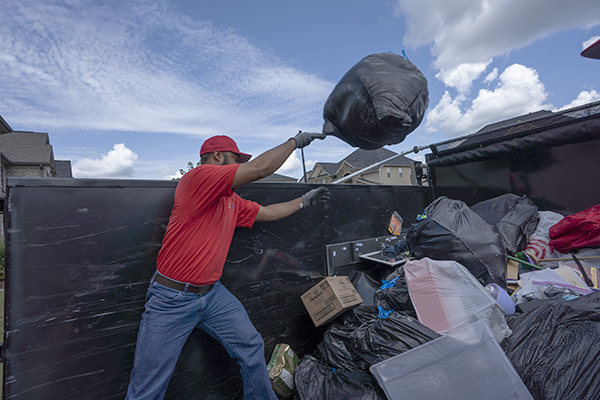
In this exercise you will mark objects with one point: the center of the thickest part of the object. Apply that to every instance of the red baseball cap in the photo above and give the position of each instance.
(223, 143)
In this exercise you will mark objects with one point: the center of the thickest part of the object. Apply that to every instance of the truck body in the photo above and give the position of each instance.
(81, 252)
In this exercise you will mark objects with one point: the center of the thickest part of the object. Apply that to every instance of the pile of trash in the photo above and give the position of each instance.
(528, 277)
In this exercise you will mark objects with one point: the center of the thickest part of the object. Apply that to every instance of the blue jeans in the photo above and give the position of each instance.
(166, 324)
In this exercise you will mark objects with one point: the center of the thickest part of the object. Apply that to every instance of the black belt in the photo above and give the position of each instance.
(184, 287)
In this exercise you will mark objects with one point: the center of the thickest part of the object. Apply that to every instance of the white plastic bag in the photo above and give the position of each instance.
(447, 297)
(539, 243)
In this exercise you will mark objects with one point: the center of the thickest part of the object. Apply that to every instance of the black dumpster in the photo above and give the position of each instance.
(80, 254)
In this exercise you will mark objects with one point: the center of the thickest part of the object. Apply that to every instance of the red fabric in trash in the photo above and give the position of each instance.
(577, 231)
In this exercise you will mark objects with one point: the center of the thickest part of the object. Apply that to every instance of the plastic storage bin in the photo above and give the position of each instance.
(464, 364)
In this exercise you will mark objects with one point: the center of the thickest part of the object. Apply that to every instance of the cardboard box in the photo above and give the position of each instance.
(330, 298)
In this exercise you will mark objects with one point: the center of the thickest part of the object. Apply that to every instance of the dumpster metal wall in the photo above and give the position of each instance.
(80, 254)
(552, 159)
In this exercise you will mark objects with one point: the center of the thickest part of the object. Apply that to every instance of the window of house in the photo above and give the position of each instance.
(323, 180)
(388, 172)
(400, 172)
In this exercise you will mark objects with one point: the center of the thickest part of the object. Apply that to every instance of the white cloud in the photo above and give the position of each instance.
(461, 76)
(117, 163)
(475, 31)
(491, 76)
(447, 116)
(118, 66)
(518, 91)
(583, 98)
(291, 166)
(466, 35)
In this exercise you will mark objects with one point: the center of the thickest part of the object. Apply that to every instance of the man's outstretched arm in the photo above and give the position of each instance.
(273, 212)
(264, 165)
(271, 160)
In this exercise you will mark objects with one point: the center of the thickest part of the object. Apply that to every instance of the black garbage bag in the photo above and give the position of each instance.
(452, 231)
(360, 338)
(336, 347)
(315, 380)
(378, 102)
(394, 295)
(516, 218)
(555, 348)
(387, 337)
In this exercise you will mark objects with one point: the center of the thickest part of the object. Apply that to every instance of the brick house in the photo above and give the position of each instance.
(27, 154)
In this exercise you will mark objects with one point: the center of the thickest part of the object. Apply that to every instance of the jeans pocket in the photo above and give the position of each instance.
(164, 294)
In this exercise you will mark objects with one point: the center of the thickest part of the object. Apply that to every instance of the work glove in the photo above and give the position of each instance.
(315, 196)
(303, 139)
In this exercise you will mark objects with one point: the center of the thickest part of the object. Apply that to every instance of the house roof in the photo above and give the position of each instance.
(63, 169)
(363, 158)
(400, 160)
(330, 168)
(278, 178)
(26, 147)
(4, 127)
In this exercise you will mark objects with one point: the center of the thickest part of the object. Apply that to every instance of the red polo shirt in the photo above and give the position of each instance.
(205, 213)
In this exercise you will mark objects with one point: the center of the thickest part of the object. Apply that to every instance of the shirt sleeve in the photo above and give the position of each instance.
(247, 211)
(203, 186)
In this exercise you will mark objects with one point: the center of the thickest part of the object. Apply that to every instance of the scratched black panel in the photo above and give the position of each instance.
(81, 254)
(80, 258)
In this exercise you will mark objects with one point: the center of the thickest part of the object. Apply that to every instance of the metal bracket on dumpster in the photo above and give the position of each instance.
(348, 253)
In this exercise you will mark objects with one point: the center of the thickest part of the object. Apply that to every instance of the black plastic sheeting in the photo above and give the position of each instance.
(539, 158)
(555, 348)
(538, 155)
(80, 254)
(452, 231)
(516, 218)
(555, 178)
(572, 131)
(378, 102)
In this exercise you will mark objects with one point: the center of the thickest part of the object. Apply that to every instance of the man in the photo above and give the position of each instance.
(186, 292)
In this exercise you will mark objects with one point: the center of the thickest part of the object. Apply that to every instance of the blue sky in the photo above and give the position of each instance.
(130, 89)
